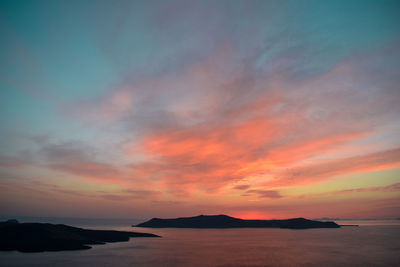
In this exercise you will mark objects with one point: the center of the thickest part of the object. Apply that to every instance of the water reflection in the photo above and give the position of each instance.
(352, 246)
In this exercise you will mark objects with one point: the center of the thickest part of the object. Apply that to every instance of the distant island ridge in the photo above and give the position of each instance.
(225, 221)
(39, 237)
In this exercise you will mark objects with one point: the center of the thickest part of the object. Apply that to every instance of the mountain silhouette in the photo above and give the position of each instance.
(224, 221)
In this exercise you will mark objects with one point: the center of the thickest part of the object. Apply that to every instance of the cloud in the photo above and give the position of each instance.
(89, 169)
(385, 189)
(129, 194)
(78, 159)
(220, 121)
(217, 123)
(263, 193)
(65, 151)
(109, 109)
(141, 193)
(12, 162)
(233, 108)
(315, 173)
(389, 188)
(241, 187)
(234, 125)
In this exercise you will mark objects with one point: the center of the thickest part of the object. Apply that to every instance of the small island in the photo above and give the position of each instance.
(39, 237)
(224, 221)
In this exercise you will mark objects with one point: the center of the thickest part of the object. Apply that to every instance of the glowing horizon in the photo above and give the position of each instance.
(169, 109)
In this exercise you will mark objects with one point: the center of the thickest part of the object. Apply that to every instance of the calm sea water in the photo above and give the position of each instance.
(374, 243)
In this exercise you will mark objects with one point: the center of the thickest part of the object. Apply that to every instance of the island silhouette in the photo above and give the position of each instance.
(39, 237)
(225, 221)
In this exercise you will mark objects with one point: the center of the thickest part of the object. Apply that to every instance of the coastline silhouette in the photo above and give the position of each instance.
(39, 237)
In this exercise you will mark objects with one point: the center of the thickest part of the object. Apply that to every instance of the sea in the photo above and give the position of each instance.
(372, 243)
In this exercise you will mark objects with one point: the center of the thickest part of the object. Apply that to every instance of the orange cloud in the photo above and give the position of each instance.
(315, 173)
(210, 157)
(206, 156)
(241, 127)
(217, 123)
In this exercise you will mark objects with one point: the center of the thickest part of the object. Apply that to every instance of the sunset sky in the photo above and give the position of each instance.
(255, 109)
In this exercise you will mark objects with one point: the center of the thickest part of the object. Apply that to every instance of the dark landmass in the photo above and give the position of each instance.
(38, 237)
(349, 225)
(224, 221)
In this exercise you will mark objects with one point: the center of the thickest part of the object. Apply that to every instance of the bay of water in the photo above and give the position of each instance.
(373, 243)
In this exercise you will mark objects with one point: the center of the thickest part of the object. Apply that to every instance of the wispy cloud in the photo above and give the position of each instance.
(262, 193)
(234, 124)
(92, 170)
(242, 187)
(314, 173)
(376, 189)
(241, 126)
(163, 106)
(131, 194)
(390, 188)
(12, 162)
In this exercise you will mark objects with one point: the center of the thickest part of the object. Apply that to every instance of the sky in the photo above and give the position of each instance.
(255, 109)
